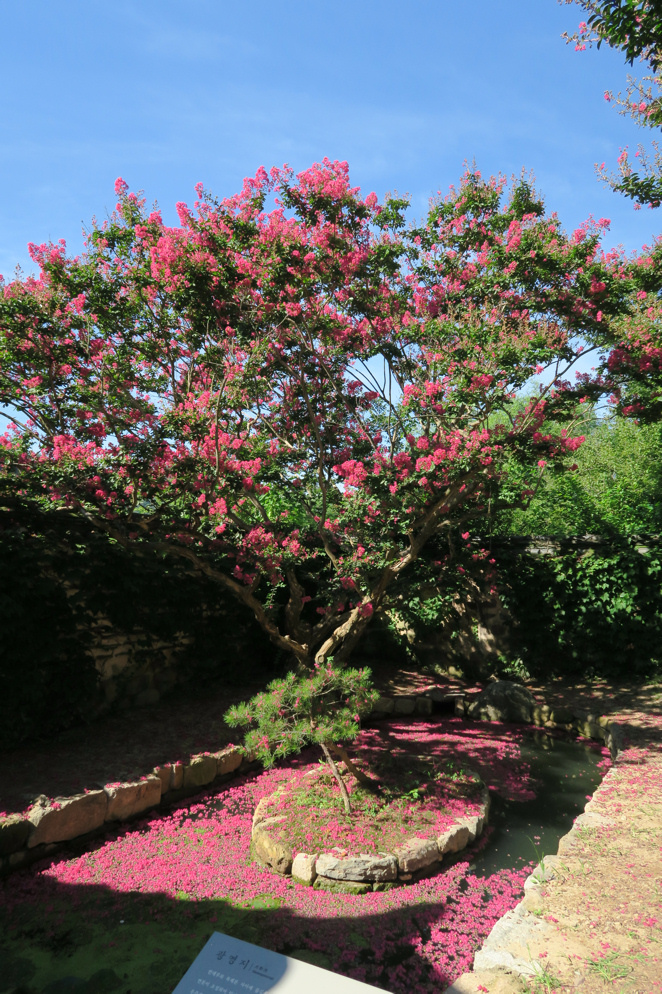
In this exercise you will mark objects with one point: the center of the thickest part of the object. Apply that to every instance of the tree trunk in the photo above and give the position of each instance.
(372, 785)
(341, 782)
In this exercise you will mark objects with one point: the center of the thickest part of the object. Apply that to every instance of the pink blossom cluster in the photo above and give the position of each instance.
(205, 388)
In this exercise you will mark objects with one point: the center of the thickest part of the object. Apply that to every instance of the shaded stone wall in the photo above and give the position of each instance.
(86, 625)
(136, 667)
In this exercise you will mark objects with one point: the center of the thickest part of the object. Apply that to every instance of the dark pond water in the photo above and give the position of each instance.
(563, 772)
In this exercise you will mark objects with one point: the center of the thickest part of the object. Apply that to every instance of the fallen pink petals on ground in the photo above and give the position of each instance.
(415, 937)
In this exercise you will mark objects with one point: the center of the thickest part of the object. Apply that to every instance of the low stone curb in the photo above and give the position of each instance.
(360, 874)
(585, 723)
(48, 824)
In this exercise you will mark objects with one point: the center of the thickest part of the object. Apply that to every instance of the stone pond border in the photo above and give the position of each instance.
(48, 825)
(501, 953)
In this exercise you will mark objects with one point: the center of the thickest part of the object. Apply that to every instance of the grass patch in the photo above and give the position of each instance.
(418, 795)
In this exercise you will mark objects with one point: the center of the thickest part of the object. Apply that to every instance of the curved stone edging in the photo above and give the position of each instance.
(359, 874)
(48, 824)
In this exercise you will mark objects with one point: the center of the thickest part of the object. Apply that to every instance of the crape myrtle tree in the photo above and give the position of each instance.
(295, 401)
(634, 27)
(632, 367)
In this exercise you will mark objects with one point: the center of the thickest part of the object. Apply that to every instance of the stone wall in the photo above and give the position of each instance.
(88, 624)
(134, 668)
(136, 664)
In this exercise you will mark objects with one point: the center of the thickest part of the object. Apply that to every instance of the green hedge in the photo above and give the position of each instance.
(587, 613)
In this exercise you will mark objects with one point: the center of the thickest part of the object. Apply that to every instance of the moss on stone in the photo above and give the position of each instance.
(342, 886)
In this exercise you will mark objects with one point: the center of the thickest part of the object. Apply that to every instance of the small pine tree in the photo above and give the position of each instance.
(324, 708)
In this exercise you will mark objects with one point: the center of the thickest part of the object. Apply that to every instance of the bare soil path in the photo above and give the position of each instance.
(119, 747)
(129, 744)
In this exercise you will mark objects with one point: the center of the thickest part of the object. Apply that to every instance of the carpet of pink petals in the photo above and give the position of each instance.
(314, 829)
(418, 937)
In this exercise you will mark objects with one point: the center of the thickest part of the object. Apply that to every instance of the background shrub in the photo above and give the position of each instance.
(586, 613)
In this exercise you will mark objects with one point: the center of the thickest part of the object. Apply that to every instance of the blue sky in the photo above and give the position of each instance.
(167, 93)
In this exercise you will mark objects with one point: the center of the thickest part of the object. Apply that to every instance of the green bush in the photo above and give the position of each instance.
(324, 707)
(590, 613)
(615, 490)
(594, 612)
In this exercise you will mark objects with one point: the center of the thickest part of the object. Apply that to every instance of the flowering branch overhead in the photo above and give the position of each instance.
(635, 27)
(210, 390)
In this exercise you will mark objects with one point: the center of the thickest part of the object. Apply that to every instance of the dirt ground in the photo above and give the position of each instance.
(603, 909)
(130, 743)
(119, 748)
(601, 913)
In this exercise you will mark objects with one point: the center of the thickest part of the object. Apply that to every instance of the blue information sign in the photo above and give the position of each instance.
(230, 966)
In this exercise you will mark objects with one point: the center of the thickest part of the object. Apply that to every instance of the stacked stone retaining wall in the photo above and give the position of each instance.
(48, 824)
(404, 864)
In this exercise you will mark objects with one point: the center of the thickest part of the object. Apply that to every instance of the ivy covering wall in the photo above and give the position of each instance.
(585, 613)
